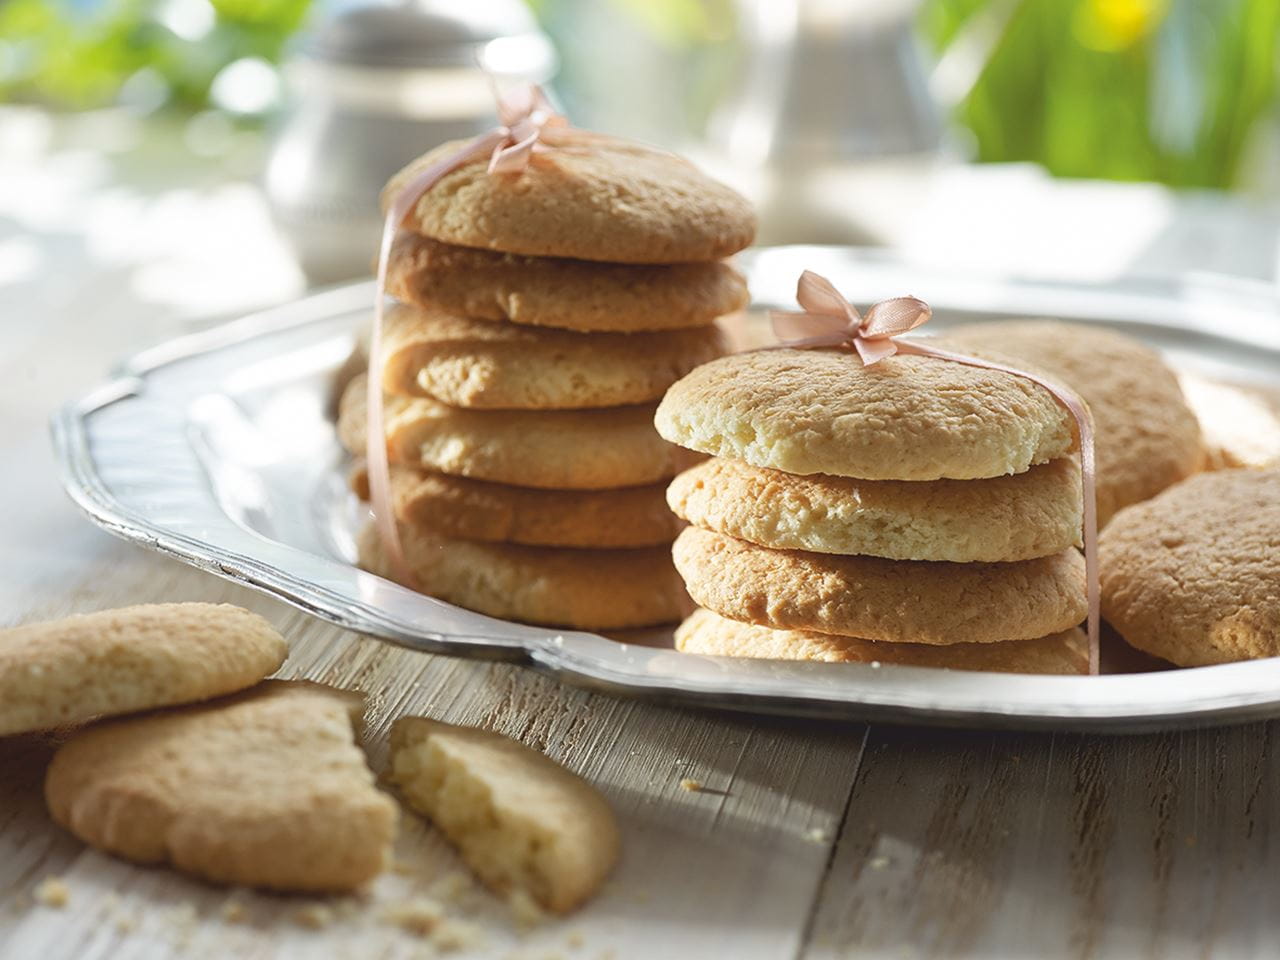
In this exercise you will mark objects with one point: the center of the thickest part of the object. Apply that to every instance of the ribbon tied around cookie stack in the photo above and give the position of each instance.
(523, 114)
(829, 320)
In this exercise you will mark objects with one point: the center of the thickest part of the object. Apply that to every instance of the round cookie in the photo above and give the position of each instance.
(1193, 575)
(710, 634)
(265, 789)
(550, 449)
(1018, 517)
(549, 586)
(898, 601)
(904, 418)
(477, 510)
(479, 364)
(1147, 437)
(130, 659)
(553, 292)
(587, 197)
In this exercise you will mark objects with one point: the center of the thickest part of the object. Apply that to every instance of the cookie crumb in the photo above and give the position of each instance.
(690, 784)
(419, 917)
(451, 888)
(576, 939)
(875, 664)
(233, 912)
(452, 935)
(525, 910)
(314, 916)
(53, 892)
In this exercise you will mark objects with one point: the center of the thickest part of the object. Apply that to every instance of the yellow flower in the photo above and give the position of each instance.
(1113, 25)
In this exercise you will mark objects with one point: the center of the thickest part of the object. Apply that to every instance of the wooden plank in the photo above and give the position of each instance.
(969, 845)
(733, 868)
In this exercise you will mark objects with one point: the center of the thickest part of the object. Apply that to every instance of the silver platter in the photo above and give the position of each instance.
(218, 449)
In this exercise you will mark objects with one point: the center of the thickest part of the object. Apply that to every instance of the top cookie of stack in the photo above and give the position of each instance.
(543, 315)
(914, 510)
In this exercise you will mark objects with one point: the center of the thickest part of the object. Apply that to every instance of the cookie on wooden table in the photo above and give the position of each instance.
(709, 633)
(481, 364)
(1018, 517)
(1146, 435)
(266, 788)
(477, 510)
(1193, 575)
(520, 820)
(588, 197)
(552, 449)
(904, 418)
(898, 601)
(134, 658)
(548, 586)
(554, 292)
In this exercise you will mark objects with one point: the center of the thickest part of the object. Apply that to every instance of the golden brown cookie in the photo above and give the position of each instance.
(898, 601)
(713, 635)
(1193, 575)
(570, 294)
(549, 449)
(480, 364)
(1239, 424)
(904, 418)
(266, 789)
(520, 820)
(548, 586)
(1026, 515)
(133, 658)
(588, 197)
(1146, 436)
(475, 510)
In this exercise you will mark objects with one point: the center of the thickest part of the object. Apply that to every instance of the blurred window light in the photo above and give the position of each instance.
(247, 86)
(189, 19)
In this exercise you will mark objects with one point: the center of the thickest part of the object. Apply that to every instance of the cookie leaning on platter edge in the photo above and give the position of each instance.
(960, 484)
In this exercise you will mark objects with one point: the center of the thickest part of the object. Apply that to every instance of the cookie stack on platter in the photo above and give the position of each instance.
(912, 511)
(543, 315)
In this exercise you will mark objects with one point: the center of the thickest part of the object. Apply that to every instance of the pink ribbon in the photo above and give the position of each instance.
(523, 114)
(829, 320)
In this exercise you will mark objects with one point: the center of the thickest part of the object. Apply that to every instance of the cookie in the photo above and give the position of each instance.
(713, 635)
(475, 510)
(134, 658)
(549, 449)
(266, 788)
(1146, 435)
(904, 418)
(587, 197)
(548, 586)
(898, 601)
(569, 294)
(1193, 575)
(1239, 424)
(479, 364)
(520, 820)
(1026, 515)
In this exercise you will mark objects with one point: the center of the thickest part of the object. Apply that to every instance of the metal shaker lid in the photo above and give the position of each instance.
(430, 33)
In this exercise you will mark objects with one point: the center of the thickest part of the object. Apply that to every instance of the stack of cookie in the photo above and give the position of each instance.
(912, 511)
(542, 316)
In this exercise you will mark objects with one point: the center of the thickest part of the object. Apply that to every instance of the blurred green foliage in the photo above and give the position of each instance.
(79, 55)
(1165, 90)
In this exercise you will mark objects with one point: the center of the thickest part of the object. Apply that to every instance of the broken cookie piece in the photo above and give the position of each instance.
(520, 821)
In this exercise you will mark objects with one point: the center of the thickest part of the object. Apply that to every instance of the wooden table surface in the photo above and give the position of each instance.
(809, 840)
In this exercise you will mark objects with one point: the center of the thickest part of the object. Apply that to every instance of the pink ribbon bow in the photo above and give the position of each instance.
(523, 113)
(829, 320)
